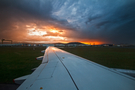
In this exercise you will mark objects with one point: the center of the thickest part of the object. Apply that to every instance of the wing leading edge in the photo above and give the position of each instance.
(61, 70)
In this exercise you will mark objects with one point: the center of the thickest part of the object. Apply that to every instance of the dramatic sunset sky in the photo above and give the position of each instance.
(51, 21)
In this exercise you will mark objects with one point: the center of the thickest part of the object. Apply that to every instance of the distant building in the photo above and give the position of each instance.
(107, 45)
(46, 45)
(34, 45)
(39, 45)
(25, 44)
(59, 45)
(29, 45)
(11, 45)
(118, 45)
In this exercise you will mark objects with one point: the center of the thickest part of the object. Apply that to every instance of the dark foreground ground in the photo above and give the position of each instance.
(8, 86)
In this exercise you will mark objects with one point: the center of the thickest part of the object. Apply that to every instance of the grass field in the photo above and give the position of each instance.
(112, 57)
(18, 61)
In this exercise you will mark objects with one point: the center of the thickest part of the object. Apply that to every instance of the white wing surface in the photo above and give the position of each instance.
(61, 70)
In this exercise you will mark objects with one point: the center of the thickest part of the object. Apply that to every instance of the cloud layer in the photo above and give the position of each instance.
(110, 21)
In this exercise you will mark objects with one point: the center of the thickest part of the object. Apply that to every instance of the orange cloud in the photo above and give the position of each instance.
(93, 42)
(44, 33)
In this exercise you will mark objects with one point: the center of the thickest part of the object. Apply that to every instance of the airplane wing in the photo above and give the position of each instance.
(61, 70)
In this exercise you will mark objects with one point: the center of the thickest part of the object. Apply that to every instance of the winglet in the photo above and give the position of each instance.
(20, 80)
(39, 58)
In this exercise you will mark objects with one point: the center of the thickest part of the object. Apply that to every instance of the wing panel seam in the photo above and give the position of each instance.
(67, 71)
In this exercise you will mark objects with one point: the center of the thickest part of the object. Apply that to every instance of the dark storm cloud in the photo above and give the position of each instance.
(122, 25)
(112, 21)
(28, 11)
(35, 7)
(92, 18)
(116, 25)
(102, 24)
